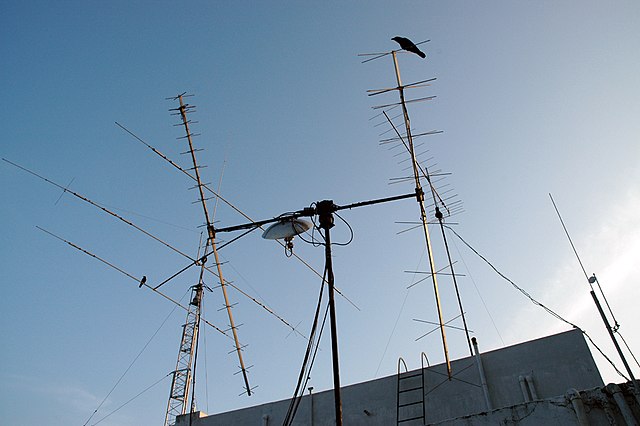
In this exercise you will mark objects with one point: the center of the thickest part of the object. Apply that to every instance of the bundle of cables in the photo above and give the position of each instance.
(309, 357)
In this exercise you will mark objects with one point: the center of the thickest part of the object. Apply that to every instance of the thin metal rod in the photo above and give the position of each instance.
(436, 329)
(199, 297)
(179, 272)
(483, 377)
(65, 190)
(455, 327)
(423, 214)
(311, 211)
(378, 201)
(439, 271)
(570, 240)
(259, 223)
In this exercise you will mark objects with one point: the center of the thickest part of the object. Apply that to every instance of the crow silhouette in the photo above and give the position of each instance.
(408, 45)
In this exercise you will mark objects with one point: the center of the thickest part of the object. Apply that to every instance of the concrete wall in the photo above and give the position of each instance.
(554, 363)
(608, 405)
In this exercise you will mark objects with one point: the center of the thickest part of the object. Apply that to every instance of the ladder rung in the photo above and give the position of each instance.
(410, 376)
(410, 389)
(412, 418)
(409, 403)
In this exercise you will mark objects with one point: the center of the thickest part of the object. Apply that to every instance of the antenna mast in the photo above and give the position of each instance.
(183, 377)
(423, 214)
(611, 330)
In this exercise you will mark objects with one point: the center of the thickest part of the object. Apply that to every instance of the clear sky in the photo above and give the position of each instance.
(533, 98)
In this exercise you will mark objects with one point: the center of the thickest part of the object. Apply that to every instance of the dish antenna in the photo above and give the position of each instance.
(286, 229)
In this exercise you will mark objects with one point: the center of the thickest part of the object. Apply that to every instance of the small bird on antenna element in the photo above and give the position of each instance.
(408, 45)
(143, 281)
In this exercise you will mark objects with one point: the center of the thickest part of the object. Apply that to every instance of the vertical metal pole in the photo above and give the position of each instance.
(325, 213)
(311, 402)
(423, 214)
(483, 378)
(455, 281)
(615, 343)
(195, 357)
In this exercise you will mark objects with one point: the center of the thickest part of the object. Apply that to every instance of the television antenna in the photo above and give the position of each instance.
(184, 375)
(420, 172)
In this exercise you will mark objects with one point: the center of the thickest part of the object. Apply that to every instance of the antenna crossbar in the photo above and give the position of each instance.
(404, 102)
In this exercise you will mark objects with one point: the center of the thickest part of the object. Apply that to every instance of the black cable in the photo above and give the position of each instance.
(303, 371)
(313, 360)
(316, 243)
(350, 230)
(628, 348)
(288, 418)
(311, 241)
(535, 302)
(315, 226)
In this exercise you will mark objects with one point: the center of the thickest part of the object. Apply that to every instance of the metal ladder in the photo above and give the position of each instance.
(410, 400)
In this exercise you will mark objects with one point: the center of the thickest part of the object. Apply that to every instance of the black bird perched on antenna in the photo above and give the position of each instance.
(143, 281)
(408, 45)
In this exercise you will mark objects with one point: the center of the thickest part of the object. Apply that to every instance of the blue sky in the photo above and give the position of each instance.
(533, 97)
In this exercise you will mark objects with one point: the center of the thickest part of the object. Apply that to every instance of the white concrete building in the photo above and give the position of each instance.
(549, 381)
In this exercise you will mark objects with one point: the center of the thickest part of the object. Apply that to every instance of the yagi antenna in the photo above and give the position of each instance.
(374, 56)
(420, 172)
(183, 378)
